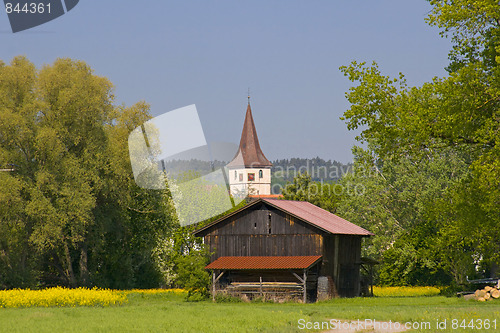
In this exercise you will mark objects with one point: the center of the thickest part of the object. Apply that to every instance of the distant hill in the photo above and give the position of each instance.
(285, 170)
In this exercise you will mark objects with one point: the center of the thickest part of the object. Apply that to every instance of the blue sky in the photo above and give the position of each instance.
(176, 53)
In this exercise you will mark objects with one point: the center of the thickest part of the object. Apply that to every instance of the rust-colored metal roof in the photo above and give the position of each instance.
(303, 210)
(257, 262)
(318, 217)
(249, 153)
(267, 196)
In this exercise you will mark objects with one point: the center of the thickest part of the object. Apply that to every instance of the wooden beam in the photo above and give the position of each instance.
(298, 277)
(220, 275)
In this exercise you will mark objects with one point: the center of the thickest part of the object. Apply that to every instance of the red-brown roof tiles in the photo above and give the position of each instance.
(256, 262)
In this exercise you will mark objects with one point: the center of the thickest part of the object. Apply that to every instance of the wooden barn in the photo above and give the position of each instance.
(284, 248)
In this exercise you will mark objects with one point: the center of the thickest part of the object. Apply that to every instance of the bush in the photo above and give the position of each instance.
(226, 298)
(192, 276)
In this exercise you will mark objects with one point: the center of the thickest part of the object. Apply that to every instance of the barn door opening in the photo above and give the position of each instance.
(349, 280)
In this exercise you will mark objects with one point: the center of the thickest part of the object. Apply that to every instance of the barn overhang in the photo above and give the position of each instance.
(264, 262)
(297, 266)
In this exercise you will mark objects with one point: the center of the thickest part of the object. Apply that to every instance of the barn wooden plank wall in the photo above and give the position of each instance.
(264, 232)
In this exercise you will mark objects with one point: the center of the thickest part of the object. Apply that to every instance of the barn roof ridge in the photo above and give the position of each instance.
(314, 216)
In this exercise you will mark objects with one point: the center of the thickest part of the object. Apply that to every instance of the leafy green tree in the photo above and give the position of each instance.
(324, 195)
(448, 118)
(399, 203)
(73, 214)
(474, 27)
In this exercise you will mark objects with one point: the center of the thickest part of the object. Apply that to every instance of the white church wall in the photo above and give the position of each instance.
(250, 179)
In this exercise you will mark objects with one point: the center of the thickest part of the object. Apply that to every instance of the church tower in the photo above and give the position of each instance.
(250, 170)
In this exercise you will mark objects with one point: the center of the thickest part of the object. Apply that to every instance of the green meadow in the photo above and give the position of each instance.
(171, 313)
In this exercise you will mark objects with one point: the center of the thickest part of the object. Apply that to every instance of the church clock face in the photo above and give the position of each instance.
(251, 177)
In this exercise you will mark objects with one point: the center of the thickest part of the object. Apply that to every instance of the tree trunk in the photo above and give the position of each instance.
(70, 275)
(84, 271)
(494, 271)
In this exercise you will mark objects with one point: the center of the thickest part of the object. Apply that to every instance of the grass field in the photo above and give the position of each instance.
(170, 313)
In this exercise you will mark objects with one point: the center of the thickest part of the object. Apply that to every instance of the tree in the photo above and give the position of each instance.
(399, 204)
(459, 113)
(72, 214)
(324, 195)
(475, 30)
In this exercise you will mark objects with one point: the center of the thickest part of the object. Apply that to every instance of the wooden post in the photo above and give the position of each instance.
(261, 294)
(214, 281)
(336, 260)
(336, 264)
(371, 280)
(305, 286)
(213, 286)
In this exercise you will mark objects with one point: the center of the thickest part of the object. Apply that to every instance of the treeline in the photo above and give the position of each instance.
(178, 167)
(284, 171)
(318, 168)
(428, 183)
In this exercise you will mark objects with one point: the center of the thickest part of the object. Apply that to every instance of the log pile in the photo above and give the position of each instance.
(265, 287)
(275, 291)
(487, 294)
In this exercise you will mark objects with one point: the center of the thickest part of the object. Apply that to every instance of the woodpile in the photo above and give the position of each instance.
(265, 287)
(275, 291)
(487, 294)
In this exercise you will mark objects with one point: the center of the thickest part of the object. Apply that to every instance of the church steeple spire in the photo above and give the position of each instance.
(249, 153)
(249, 171)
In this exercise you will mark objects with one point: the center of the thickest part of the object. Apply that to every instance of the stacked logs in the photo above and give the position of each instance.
(487, 294)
